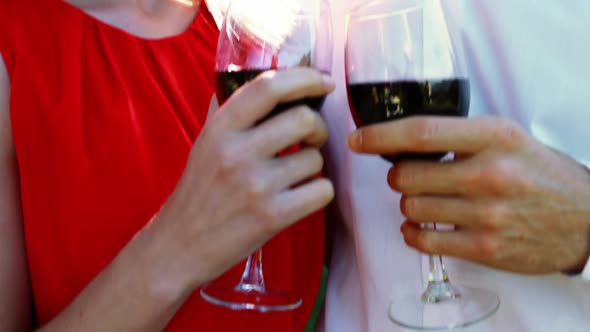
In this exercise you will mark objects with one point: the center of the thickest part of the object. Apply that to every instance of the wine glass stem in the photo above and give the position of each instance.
(253, 277)
(439, 287)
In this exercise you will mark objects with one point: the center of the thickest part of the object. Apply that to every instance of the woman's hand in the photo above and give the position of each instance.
(516, 204)
(235, 194)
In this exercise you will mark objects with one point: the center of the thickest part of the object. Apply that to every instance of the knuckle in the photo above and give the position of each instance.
(329, 192)
(230, 109)
(405, 178)
(257, 188)
(526, 185)
(492, 217)
(424, 243)
(227, 161)
(267, 218)
(410, 207)
(521, 181)
(426, 130)
(497, 175)
(320, 81)
(395, 178)
(321, 128)
(237, 113)
(306, 118)
(316, 160)
(487, 247)
(446, 248)
(371, 139)
(311, 75)
(509, 133)
(318, 78)
(264, 83)
(323, 193)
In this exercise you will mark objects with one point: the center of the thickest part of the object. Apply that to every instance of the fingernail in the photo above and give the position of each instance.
(355, 140)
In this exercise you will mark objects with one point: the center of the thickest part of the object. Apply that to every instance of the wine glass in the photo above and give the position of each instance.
(413, 65)
(256, 36)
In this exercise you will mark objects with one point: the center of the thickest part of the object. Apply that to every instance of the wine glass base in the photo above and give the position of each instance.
(472, 306)
(250, 297)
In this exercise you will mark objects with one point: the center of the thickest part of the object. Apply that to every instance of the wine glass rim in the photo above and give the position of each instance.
(364, 12)
(302, 12)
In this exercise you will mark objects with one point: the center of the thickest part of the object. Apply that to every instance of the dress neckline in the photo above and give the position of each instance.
(88, 17)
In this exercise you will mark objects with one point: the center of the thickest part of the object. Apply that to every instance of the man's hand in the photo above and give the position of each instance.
(516, 204)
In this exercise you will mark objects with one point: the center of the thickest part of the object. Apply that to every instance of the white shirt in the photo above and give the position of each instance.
(529, 61)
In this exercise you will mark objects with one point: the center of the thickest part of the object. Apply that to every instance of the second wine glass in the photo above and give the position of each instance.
(413, 65)
(256, 36)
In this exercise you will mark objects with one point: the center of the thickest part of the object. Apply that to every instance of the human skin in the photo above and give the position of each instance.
(515, 204)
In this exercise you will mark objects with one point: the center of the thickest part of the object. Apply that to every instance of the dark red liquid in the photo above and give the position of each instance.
(228, 82)
(373, 103)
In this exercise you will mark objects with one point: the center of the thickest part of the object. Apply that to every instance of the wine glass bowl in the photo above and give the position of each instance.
(409, 66)
(263, 35)
(257, 36)
(413, 64)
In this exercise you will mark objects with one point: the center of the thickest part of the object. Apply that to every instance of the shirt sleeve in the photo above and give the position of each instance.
(586, 272)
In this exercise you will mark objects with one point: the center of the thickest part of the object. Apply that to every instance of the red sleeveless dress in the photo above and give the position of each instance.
(103, 122)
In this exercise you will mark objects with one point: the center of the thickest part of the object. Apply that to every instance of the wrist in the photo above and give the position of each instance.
(586, 272)
(583, 266)
(579, 268)
(164, 274)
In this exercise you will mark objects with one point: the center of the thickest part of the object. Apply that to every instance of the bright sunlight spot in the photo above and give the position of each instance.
(269, 21)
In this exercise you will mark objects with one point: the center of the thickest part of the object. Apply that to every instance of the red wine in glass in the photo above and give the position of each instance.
(229, 81)
(374, 102)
